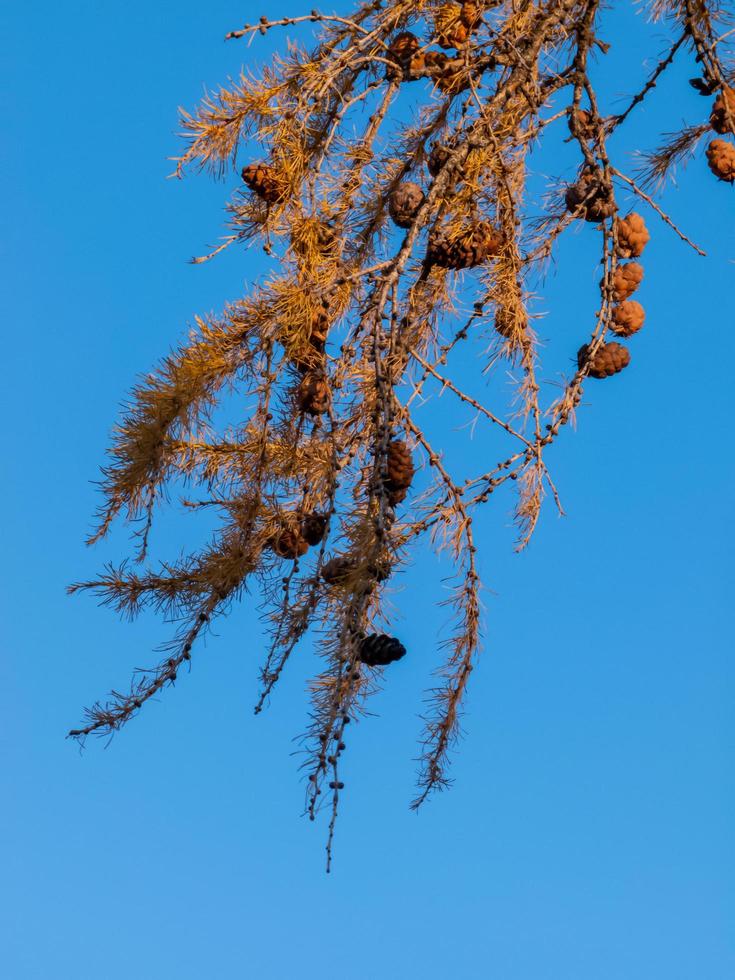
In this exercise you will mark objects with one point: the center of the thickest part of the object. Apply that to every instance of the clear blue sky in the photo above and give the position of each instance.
(589, 832)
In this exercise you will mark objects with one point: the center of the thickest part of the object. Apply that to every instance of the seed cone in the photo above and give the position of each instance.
(633, 236)
(610, 359)
(475, 246)
(313, 394)
(721, 160)
(627, 318)
(379, 650)
(404, 45)
(590, 198)
(585, 124)
(266, 182)
(724, 104)
(399, 469)
(451, 31)
(626, 280)
(312, 528)
(405, 201)
(288, 543)
(437, 161)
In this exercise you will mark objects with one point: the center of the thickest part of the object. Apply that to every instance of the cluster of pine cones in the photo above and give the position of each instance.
(453, 27)
(296, 536)
(721, 153)
(628, 315)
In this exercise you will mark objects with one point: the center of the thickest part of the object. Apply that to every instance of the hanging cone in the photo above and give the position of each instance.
(590, 198)
(312, 528)
(288, 543)
(633, 236)
(585, 124)
(379, 650)
(610, 359)
(721, 160)
(626, 280)
(475, 246)
(627, 318)
(313, 395)
(399, 467)
(266, 182)
(724, 105)
(404, 202)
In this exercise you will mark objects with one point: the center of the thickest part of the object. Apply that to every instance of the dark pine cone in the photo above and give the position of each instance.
(399, 468)
(378, 650)
(404, 202)
(610, 359)
(438, 158)
(590, 197)
(313, 527)
(266, 182)
(313, 395)
(475, 246)
(288, 543)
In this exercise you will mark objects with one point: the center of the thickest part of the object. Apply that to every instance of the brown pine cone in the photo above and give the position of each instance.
(626, 280)
(379, 650)
(404, 46)
(585, 124)
(404, 202)
(721, 160)
(288, 543)
(451, 77)
(610, 359)
(724, 104)
(312, 528)
(266, 182)
(438, 158)
(590, 198)
(475, 246)
(627, 318)
(399, 468)
(451, 32)
(313, 394)
(633, 236)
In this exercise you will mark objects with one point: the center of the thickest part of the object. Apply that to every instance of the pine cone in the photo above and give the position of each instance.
(404, 202)
(312, 528)
(721, 160)
(585, 124)
(627, 318)
(399, 471)
(724, 104)
(266, 182)
(451, 76)
(437, 160)
(475, 246)
(404, 46)
(314, 395)
(451, 32)
(402, 49)
(379, 650)
(626, 280)
(288, 543)
(590, 198)
(610, 359)
(633, 236)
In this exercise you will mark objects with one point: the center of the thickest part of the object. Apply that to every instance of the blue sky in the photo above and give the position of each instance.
(588, 835)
